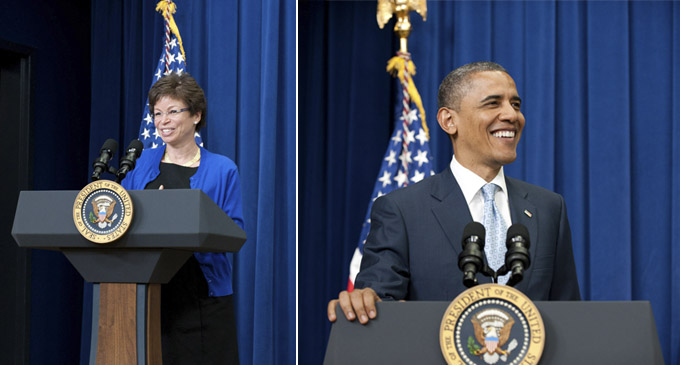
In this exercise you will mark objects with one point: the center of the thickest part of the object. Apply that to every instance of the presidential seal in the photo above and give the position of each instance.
(102, 211)
(492, 324)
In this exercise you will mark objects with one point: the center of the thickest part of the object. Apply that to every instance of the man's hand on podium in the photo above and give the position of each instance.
(360, 303)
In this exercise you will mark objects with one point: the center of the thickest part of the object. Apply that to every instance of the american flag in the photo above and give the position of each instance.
(407, 160)
(171, 60)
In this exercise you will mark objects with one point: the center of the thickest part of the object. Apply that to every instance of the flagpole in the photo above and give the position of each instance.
(410, 140)
(401, 65)
(172, 59)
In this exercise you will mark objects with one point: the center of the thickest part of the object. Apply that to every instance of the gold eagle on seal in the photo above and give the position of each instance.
(492, 330)
(103, 205)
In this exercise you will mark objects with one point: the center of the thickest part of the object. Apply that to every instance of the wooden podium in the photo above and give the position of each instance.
(167, 227)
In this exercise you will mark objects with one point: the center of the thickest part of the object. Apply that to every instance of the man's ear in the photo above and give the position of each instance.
(447, 120)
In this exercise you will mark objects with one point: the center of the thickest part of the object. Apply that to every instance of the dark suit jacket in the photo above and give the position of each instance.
(416, 233)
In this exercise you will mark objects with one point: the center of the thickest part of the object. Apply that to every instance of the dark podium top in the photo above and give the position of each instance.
(167, 226)
(576, 333)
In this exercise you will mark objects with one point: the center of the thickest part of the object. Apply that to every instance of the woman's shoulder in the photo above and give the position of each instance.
(216, 160)
(151, 153)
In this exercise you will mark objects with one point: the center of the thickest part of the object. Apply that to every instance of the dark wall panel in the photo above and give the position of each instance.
(15, 92)
(58, 37)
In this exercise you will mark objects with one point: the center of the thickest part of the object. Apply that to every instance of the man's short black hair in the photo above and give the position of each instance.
(454, 86)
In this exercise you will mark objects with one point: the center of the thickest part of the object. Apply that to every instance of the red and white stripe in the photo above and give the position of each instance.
(406, 109)
(167, 43)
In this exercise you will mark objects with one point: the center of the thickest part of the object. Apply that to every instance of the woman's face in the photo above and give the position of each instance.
(174, 122)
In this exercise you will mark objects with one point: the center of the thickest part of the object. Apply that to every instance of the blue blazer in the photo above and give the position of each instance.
(216, 176)
(416, 234)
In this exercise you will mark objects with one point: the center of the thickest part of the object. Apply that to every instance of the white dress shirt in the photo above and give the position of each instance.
(471, 185)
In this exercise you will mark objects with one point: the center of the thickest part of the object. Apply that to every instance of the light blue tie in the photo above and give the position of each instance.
(495, 231)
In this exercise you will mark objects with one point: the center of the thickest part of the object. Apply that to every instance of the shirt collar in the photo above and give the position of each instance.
(471, 183)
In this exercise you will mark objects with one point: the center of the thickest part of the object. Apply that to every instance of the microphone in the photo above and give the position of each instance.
(127, 163)
(517, 257)
(471, 260)
(101, 164)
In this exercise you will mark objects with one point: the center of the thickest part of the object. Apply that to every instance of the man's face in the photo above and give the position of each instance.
(488, 124)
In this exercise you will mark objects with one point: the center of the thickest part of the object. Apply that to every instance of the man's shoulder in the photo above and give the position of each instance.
(531, 191)
(421, 189)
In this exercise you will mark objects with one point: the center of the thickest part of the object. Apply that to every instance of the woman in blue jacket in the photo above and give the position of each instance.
(197, 310)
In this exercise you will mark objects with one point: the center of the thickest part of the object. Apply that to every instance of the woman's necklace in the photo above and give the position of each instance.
(193, 160)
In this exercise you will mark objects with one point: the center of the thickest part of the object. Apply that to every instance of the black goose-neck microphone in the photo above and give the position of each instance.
(101, 164)
(471, 260)
(517, 257)
(127, 163)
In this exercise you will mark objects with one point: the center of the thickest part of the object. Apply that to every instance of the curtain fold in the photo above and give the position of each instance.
(671, 285)
(600, 83)
(242, 53)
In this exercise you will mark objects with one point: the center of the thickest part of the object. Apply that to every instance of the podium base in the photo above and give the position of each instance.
(126, 325)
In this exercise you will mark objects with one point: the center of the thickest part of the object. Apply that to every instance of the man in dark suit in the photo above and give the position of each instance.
(412, 249)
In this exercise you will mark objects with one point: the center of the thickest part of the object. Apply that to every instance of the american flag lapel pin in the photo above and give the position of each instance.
(528, 213)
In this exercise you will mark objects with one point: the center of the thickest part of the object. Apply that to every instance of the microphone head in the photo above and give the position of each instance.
(137, 145)
(474, 229)
(110, 145)
(518, 230)
(517, 257)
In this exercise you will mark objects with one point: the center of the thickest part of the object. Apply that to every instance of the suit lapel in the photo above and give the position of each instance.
(452, 214)
(522, 211)
(450, 208)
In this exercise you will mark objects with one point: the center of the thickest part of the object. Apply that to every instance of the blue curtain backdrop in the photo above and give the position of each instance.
(600, 83)
(243, 55)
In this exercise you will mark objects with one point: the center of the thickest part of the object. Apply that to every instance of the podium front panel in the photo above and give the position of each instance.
(576, 333)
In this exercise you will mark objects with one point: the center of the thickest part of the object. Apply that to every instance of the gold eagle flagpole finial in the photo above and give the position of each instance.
(401, 65)
(402, 8)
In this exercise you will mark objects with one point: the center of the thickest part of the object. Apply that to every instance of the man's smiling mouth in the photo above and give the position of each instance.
(504, 134)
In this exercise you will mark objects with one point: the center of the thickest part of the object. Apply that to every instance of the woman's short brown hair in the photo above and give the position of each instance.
(182, 87)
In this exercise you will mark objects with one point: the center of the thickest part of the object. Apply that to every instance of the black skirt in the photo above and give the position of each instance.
(196, 328)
